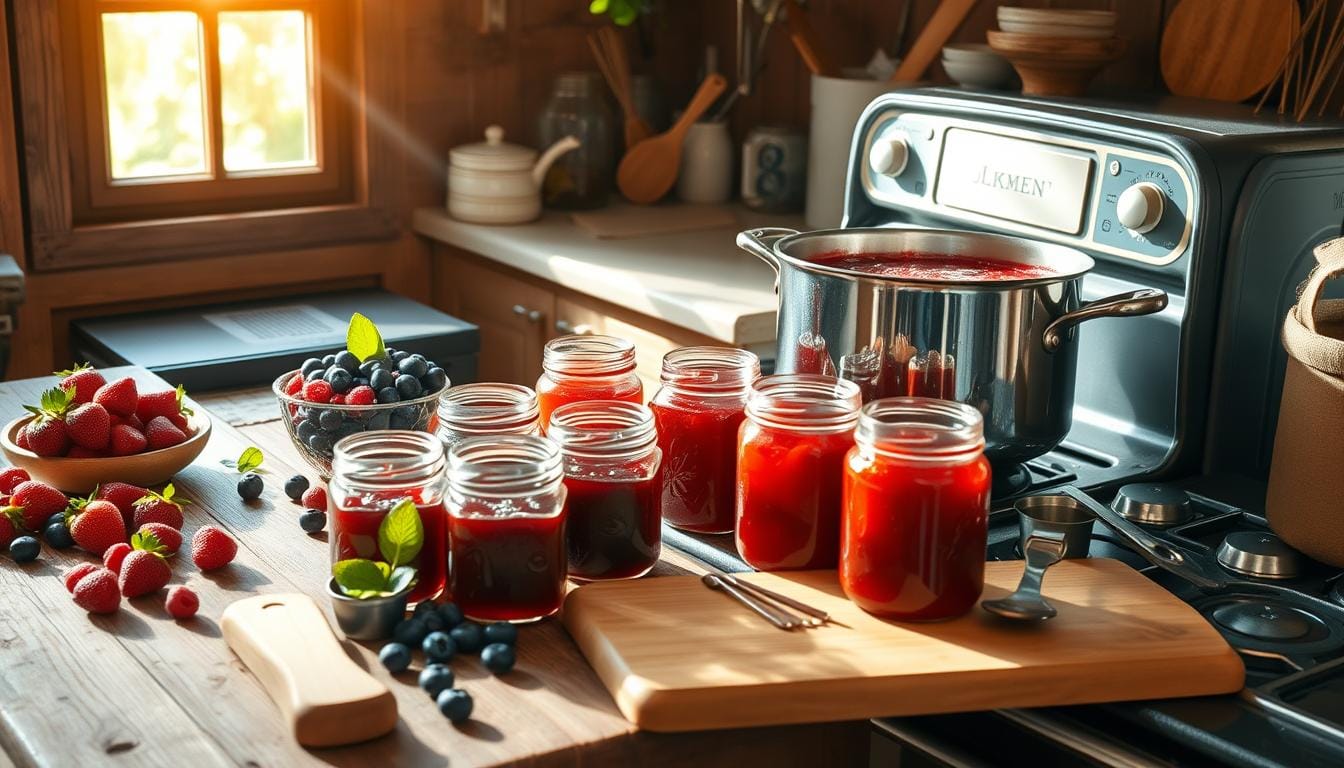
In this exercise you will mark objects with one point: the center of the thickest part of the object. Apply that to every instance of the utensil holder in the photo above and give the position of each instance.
(1306, 476)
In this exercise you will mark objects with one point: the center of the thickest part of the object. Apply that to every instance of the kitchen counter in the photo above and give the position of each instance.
(136, 688)
(697, 280)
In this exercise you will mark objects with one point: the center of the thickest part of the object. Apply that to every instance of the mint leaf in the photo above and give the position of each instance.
(356, 577)
(363, 340)
(401, 533)
(402, 578)
(250, 459)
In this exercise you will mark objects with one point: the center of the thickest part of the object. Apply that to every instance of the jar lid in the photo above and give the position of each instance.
(493, 154)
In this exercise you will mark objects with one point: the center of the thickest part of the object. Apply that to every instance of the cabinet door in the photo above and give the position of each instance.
(513, 316)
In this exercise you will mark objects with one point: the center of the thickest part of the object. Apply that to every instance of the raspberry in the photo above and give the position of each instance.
(294, 385)
(314, 498)
(181, 603)
(317, 391)
(337, 399)
(361, 395)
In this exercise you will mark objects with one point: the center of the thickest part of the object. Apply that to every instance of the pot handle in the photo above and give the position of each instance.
(758, 241)
(1144, 301)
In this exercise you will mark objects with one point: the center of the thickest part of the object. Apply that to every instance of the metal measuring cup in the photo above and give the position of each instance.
(1051, 528)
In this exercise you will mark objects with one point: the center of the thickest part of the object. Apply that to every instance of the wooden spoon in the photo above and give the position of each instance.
(609, 52)
(649, 169)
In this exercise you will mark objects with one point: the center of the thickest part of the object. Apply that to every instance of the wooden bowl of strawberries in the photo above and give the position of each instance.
(89, 431)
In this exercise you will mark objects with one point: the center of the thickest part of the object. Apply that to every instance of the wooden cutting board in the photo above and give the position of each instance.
(1228, 50)
(677, 656)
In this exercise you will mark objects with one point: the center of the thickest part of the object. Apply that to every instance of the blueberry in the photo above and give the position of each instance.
(379, 420)
(438, 646)
(501, 632)
(397, 356)
(455, 704)
(388, 395)
(339, 379)
(434, 622)
(367, 367)
(329, 420)
(382, 379)
(498, 658)
(313, 520)
(249, 486)
(401, 420)
(295, 486)
(58, 536)
(315, 375)
(59, 517)
(347, 360)
(359, 381)
(436, 678)
(24, 549)
(434, 379)
(349, 428)
(328, 360)
(452, 615)
(395, 657)
(305, 430)
(468, 637)
(413, 366)
(322, 443)
(423, 609)
(408, 386)
(411, 632)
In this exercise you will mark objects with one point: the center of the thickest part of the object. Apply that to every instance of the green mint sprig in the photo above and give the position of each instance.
(363, 340)
(401, 536)
(249, 460)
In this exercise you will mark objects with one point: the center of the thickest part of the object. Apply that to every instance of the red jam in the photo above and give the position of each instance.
(578, 368)
(506, 568)
(932, 375)
(914, 265)
(552, 394)
(914, 527)
(613, 528)
(354, 532)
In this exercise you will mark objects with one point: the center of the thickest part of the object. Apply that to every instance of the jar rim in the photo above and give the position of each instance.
(920, 428)
(805, 402)
(603, 429)
(485, 404)
(387, 459)
(710, 369)
(588, 355)
(504, 466)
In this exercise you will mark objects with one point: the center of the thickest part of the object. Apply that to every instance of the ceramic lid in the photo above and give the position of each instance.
(493, 154)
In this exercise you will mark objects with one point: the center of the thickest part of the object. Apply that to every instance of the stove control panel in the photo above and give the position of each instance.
(1096, 196)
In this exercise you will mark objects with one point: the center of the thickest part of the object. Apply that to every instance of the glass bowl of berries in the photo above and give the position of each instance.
(339, 395)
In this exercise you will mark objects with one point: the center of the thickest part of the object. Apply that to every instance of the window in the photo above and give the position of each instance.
(197, 107)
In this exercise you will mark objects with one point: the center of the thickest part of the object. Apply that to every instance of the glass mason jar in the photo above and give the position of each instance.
(370, 473)
(586, 367)
(486, 408)
(916, 509)
(698, 410)
(581, 178)
(506, 527)
(613, 526)
(790, 462)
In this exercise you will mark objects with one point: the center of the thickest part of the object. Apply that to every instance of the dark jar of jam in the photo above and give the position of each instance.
(613, 526)
(584, 367)
(916, 509)
(486, 408)
(371, 473)
(506, 527)
(790, 463)
(698, 411)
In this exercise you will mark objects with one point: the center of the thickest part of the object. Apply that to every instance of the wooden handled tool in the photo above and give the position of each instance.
(649, 169)
(805, 41)
(288, 645)
(931, 40)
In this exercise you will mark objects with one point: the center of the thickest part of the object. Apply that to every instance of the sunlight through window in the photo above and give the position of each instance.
(266, 93)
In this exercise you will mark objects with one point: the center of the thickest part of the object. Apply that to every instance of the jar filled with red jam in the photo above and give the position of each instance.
(506, 527)
(790, 462)
(576, 368)
(916, 509)
(613, 526)
(371, 473)
(486, 408)
(698, 411)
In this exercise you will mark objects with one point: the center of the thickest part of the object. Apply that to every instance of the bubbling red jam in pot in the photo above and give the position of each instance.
(916, 265)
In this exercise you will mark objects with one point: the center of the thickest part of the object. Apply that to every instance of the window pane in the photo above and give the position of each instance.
(266, 90)
(155, 120)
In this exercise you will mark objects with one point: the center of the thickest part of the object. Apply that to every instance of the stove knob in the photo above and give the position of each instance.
(888, 156)
(1140, 207)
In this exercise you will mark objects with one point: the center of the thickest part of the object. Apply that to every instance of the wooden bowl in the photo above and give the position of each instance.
(1055, 66)
(79, 476)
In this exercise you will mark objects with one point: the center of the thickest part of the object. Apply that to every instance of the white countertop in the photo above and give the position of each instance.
(696, 280)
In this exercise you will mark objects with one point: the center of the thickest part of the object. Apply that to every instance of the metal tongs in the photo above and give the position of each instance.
(770, 605)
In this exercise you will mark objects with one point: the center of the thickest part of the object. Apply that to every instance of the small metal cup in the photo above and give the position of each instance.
(371, 619)
(1058, 514)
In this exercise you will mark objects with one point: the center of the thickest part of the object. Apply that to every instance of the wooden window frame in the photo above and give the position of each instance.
(351, 199)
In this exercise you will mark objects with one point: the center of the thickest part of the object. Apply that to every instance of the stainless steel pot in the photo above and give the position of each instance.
(1007, 348)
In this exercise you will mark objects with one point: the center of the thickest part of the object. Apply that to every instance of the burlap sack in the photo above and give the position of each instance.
(1305, 502)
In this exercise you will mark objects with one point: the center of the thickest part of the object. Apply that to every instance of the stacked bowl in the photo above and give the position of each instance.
(974, 65)
(1056, 51)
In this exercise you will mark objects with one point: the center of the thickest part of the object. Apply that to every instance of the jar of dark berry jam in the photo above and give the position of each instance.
(916, 509)
(486, 408)
(698, 411)
(613, 527)
(506, 527)
(371, 472)
(790, 462)
(586, 367)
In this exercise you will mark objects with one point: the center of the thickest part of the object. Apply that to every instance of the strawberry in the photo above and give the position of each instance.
(127, 441)
(73, 575)
(10, 477)
(162, 507)
(95, 525)
(39, 502)
(212, 548)
(163, 404)
(131, 421)
(162, 433)
(123, 495)
(115, 556)
(21, 437)
(181, 423)
(97, 592)
(89, 425)
(168, 538)
(11, 524)
(118, 396)
(361, 395)
(317, 391)
(181, 602)
(143, 572)
(82, 382)
(46, 434)
(294, 386)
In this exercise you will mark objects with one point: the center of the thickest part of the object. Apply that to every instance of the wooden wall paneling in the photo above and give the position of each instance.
(11, 197)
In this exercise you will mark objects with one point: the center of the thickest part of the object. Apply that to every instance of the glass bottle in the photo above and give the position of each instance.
(586, 367)
(583, 178)
(486, 408)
